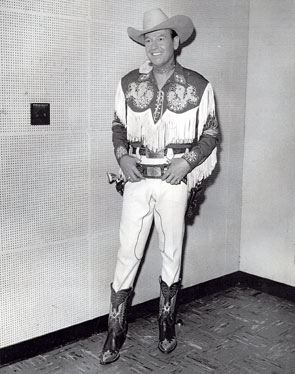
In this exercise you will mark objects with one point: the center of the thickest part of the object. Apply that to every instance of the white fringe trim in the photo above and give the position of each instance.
(171, 128)
(207, 107)
(202, 171)
(120, 104)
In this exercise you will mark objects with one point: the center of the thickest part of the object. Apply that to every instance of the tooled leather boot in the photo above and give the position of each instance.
(167, 316)
(117, 326)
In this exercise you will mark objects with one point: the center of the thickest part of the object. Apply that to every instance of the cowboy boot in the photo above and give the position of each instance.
(167, 316)
(117, 326)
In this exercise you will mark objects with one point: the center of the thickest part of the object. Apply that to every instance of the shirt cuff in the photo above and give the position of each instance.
(192, 158)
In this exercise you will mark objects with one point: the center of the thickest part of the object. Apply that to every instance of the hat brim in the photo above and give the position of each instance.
(182, 25)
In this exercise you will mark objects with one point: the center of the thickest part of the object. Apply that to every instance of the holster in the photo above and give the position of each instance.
(193, 202)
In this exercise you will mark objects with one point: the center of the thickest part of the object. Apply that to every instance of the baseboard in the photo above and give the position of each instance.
(48, 342)
(271, 287)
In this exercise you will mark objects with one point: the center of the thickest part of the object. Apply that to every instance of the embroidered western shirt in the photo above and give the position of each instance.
(181, 114)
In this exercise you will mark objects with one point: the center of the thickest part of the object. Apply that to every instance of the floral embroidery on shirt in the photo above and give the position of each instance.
(121, 151)
(180, 79)
(211, 126)
(159, 106)
(144, 77)
(191, 157)
(179, 96)
(141, 94)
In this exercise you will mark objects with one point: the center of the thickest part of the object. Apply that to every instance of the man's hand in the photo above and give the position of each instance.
(128, 166)
(177, 170)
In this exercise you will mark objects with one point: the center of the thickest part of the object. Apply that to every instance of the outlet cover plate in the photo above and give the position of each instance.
(40, 114)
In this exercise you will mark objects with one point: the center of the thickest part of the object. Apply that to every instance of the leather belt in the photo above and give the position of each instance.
(143, 151)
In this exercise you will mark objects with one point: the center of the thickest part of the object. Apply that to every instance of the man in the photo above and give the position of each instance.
(164, 134)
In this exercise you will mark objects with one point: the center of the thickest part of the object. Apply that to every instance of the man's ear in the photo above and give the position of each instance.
(176, 42)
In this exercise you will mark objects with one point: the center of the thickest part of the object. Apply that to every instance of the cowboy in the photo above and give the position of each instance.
(165, 134)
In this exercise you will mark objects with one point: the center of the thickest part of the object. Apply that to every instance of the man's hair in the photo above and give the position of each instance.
(173, 33)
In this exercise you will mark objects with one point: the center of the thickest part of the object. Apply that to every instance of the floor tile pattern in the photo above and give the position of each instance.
(237, 331)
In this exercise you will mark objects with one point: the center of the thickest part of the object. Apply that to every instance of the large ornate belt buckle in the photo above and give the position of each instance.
(154, 171)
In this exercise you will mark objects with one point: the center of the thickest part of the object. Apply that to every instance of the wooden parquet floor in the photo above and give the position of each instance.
(238, 331)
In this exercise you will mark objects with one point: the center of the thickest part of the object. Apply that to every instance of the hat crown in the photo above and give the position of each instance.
(153, 18)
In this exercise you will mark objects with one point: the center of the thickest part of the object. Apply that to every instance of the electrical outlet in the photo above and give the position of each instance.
(40, 114)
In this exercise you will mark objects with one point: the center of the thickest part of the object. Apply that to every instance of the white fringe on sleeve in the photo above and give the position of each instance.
(207, 107)
(120, 104)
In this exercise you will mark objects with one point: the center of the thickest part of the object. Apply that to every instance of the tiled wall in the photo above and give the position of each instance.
(59, 216)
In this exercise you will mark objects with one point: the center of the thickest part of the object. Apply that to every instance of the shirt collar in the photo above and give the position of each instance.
(146, 71)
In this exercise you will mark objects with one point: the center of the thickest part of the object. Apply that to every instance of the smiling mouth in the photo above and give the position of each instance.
(156, 54)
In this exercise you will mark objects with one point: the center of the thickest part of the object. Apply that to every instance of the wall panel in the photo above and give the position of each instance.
(268, 223)
(44, 59)
(43, 289)
(43, 189)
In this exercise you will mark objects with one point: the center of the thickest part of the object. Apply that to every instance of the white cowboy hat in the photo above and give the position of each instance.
(156, 19)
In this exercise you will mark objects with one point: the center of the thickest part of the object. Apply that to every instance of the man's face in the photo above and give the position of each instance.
(160, 46)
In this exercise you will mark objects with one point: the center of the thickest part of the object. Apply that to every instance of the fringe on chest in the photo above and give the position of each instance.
(172, 127)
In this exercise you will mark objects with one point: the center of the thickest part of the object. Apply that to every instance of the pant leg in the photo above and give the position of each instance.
(170, 207)
(135, 225)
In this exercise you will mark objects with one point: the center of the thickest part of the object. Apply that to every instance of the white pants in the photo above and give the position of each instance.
(142, 202)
